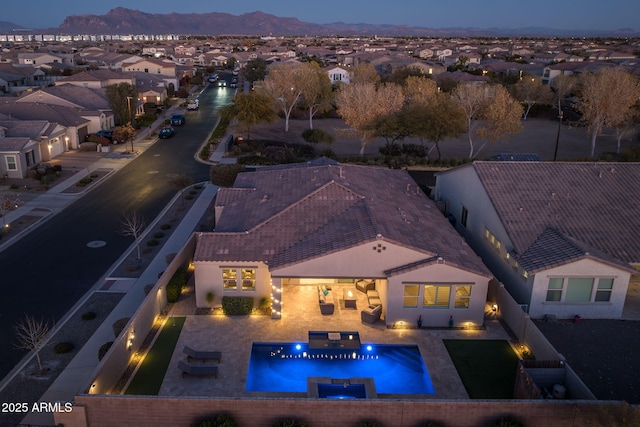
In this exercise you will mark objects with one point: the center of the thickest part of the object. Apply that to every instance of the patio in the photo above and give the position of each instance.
(233, 337)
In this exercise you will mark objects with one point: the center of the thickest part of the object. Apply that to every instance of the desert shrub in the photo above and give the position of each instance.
(146, 120)
(197, 187)
(289, 423)
(62, 347)
(103, 349)
(237, 305)
(158, 234)
(222, 420)
(414, 150)
(506, 422)
(152, 242)
(255, 160)
(369, 424)
(165, 227)
(89, 315)
(317, 136)
(119, 325)
(188, 197)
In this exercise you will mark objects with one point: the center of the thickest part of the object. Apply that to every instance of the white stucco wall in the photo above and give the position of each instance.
(593, 310)
(208, 278)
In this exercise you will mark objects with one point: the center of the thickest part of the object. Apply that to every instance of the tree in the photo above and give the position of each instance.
(607, 98)
(562, 85)
(8, 202)
(283, 87)
(255, 70)
(122, 99)
(181, 182)
(531, 91)
(317, 91)
(435, 121)
(251, 108)
(400, 75)
(364, 72)
(31, 334)
(124, 134)
(392, 127)
(360, 104)
(133, 224)
(489, 110)
(420, 90)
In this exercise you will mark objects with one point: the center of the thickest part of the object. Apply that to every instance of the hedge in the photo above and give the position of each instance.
(237, 305)
(175, 285)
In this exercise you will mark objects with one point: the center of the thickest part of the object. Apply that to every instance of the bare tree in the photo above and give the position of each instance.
(606, 99)
(181, 182)
(562, 85)
(31, 335)
(361, 104)
(317, 92)
(490, 112)
(8, 203)
(133, 224)
(531, 91)
(282, 85)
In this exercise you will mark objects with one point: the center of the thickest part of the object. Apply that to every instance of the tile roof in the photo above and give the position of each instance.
(65, 116)
(83, 97)
(286, 215)
(592, 203)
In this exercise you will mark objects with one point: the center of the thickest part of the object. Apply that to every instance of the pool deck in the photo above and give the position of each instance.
(234, 336)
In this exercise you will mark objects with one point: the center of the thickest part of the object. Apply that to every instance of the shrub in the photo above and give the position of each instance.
(119, 325)
(103, 349)
(255, 160)
(165, 226)
(158, 234)
(175, 285)
(225, 175)
(210, 297)
(152, 242)
(317, 136)
(506, 422)
(14, 186)
(62, 347)
(89, 315)
(222, 420)
(234, 306)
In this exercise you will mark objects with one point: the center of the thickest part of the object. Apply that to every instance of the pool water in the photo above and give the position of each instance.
(284, 367)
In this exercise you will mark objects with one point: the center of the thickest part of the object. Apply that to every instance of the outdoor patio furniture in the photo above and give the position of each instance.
(349, 297)
(325, 299)
(365, 285)
(201, 355)
(371, 314)
(197, 370)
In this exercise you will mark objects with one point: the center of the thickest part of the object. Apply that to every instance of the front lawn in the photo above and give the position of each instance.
(487, 367)
(148, 379)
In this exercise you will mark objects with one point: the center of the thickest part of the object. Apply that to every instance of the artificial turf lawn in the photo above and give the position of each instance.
(487, 368)
(148, 379)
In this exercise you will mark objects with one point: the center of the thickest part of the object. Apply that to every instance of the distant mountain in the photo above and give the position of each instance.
(127, 21)
(9, 27)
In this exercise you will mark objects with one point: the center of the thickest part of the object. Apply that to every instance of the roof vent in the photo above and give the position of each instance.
(264, 198)
(521, 209)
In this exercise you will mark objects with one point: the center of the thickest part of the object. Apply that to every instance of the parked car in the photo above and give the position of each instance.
(233, 85)
(178, 120)
(213, 78)
(193, 104)
(166, 132)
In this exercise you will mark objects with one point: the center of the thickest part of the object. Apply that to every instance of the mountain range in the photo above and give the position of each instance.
(128, 21)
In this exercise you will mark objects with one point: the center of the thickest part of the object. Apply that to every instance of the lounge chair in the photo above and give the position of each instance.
(201, 355)
(197, 370)
(371, 314)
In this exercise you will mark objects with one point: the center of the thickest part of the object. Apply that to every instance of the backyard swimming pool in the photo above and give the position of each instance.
(285, 367)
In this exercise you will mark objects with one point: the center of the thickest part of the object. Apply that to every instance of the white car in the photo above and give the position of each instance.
(193, 104)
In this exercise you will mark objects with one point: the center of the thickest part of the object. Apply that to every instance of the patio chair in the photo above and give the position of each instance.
(371, 314)
(201, 355)
(197, 370)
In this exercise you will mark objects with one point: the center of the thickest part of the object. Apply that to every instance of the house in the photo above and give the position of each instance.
(562, 237)
(25, 143)
(165, 68)
(14, 79)
(97, 79)
(338, 75)
(325, 223)
(39, 58)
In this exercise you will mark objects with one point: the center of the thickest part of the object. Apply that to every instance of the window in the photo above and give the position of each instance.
(605, 287)
(11, 163)
(229, 278)
(579, 289)
(248, 279)
(463, 296)
(554, 291)
(411, 293)
(436, 296)
(464, 216)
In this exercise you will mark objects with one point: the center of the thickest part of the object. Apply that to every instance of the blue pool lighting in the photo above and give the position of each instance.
(284, 368)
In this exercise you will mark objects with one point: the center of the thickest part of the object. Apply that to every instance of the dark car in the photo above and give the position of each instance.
(166, 132)
(178, 120)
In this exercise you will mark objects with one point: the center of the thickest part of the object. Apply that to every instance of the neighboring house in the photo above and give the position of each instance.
(37, 59)
(151, 88)
(70, 118)
(97, 79)
(91, 103)
(338, 75)
(562, 237)
(14, 79)
(166, 69)
(335, 224)
(24, 144)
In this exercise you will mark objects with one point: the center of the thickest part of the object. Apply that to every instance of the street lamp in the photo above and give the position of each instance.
(129, 98)
(555, 153)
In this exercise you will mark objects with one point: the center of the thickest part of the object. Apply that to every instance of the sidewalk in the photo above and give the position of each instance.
(77, 373)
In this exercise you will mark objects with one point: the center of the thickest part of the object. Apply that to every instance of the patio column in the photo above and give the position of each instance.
(276, 298)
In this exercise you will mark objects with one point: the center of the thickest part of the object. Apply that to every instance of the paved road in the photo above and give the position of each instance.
(47, 271)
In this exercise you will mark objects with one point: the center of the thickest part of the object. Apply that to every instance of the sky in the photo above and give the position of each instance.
(508, 14)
